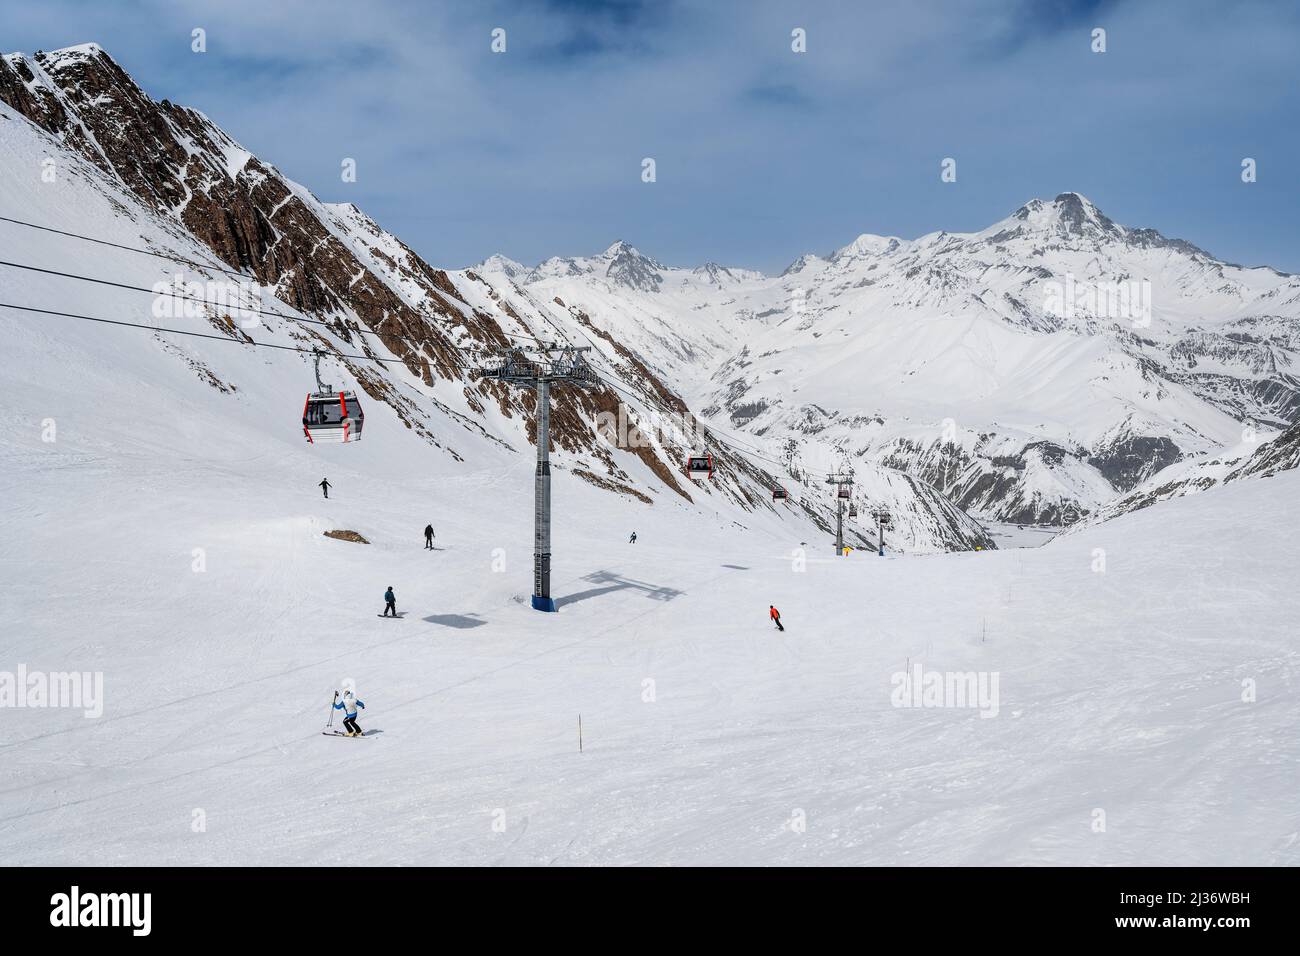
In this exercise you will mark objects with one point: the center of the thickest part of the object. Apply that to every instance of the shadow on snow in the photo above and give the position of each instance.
(460, 621)
(611, 582)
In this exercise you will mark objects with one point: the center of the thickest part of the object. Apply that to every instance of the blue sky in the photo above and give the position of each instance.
(762, 154)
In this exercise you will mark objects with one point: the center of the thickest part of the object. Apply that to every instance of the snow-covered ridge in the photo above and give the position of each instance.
(1033, 370)
(331, 262)
(947, 358)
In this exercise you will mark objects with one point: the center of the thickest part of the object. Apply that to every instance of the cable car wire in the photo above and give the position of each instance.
(193, 264)
(211, 335)
(249, 340)
(117, 245)
(714, 432)
(280, 315)
(176, 294)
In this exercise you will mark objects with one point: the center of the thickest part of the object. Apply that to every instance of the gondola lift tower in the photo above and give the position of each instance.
(843, 482)
(539, 368)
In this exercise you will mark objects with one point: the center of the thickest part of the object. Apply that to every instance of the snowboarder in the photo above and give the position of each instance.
(428, 537)
(390, 602)
(632, 540)
(775, 615)
(325, 486)
(349, 705)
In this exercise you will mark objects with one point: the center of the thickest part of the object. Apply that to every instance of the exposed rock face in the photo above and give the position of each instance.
(1263, 460)
(335, 263)
(176, 160)
(1128, 462)
(1280, 454)
(629, 268)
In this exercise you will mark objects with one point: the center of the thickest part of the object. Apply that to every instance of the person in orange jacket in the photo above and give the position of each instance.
(775, 615)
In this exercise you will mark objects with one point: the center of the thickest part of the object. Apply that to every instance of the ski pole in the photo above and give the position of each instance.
(330, 723)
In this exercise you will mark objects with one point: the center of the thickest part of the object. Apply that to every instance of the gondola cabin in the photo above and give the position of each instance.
(853, 511)
(844, 492)
(332, 417)
(700, 467)
(779, 494)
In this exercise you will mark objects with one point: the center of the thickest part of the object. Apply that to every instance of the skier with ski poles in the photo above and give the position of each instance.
(428, 537)
(325, 486)
(632, 540)
(349, 705)
(390, 602)
(775, 615)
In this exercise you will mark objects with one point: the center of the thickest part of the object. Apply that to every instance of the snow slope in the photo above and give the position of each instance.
(1118, 690)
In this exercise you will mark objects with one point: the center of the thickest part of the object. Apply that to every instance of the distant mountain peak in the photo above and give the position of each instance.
(618, 248)
(867, 244)
(504, 264)
(79, 50)
(1069, 214)
(717, 274)
(628, 267)
(800, 264)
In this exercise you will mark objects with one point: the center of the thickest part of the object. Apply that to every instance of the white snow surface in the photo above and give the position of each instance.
(1119, 691)
(170, 537)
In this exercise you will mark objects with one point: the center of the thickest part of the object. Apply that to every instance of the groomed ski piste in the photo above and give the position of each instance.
(169, 536)
(708, 737)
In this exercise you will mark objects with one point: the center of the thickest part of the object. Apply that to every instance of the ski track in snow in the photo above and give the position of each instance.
(1119, 690)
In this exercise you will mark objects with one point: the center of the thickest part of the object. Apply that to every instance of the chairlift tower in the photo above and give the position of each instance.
(547, 365)
(883, 521)
(843, 482)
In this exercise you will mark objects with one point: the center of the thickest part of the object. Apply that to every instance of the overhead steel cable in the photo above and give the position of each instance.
(193, 264)
(248, 340)
(173, 293)
(125, 248)
(713, 432)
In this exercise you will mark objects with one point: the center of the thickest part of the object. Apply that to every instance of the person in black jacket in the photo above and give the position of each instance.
(390, 602)
(325, 486)
(428, 536)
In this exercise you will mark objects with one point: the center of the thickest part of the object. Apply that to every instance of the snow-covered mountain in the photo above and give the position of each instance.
(407, 334)
(1031, 371)
(1258, 456)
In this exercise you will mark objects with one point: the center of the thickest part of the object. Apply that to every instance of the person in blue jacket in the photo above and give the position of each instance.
(390, 602)
(349, 704)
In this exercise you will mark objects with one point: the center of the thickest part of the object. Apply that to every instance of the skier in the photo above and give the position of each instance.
(390, 602)
(428, 536)
(349, 705)
(632, 540)
(325, 486)
(775, 615)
